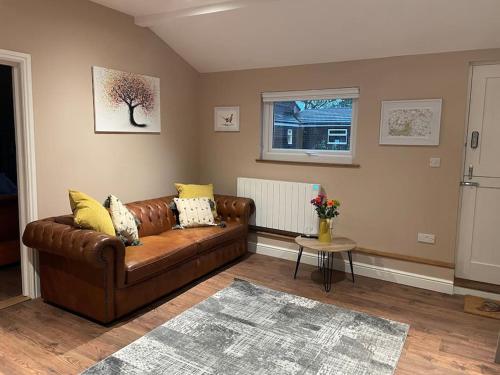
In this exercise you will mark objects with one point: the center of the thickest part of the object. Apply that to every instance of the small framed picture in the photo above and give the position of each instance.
(410, 122)
(227, 119)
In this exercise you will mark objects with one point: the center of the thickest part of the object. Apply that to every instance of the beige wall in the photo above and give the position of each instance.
(386, 202)
(65, 39)
(394, 194)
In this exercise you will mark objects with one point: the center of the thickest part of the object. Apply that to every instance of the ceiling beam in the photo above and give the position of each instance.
(218, 7)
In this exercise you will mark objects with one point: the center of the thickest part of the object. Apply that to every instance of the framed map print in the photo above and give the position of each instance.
(410, 122)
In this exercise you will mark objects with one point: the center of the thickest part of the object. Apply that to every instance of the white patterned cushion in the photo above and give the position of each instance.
(123, 221)
(194, 212)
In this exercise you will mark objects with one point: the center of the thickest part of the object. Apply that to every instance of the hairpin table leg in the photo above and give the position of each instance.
(327, 268)
(497, 356)
(349, 254)
(301, 248)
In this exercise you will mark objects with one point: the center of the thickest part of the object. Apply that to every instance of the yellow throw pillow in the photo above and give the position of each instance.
(197, 191)
(90, 214)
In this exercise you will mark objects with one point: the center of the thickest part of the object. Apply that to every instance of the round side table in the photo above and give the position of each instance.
(325, 255)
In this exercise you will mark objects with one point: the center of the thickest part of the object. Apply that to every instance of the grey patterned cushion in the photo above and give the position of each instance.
(194, 212)
(124, 221)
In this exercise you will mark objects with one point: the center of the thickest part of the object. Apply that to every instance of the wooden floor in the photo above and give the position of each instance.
(10, 282)
(36, 338)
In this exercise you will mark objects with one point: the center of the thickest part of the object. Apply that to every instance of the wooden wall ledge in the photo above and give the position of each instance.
(13, 301)
(289, 237)
(477, 285)
(406, 258)
(307, 163)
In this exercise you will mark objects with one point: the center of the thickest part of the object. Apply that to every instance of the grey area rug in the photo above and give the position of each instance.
(250, 329)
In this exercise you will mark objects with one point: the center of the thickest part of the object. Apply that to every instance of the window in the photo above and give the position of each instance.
(289, 137)
(310, 126)
(337, 136)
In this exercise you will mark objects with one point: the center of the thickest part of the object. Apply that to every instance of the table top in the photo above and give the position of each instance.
(338, 244)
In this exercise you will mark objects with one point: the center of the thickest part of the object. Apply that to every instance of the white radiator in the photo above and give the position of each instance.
(281, 205)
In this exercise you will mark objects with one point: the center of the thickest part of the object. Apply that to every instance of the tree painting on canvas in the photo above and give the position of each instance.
(126, 102)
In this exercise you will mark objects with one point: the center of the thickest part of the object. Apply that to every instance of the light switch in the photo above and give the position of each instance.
(435, 162)
(426, 238)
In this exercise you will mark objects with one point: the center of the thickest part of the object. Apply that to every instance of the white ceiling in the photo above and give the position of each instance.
(218, 35)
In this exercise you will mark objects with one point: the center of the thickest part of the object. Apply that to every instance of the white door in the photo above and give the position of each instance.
(478, 254)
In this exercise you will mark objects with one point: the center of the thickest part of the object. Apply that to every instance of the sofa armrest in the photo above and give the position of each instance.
(81, 245)
(236, 209)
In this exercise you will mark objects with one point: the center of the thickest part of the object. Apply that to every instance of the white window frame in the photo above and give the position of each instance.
(330, 134)
(316, 156)
(289, 136)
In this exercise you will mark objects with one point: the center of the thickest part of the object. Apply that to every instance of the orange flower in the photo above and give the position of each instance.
(331, 203)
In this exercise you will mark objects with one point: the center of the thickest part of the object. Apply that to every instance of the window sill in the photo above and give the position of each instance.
(308, 163)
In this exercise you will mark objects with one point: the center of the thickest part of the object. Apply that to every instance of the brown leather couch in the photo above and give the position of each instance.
(96, 276)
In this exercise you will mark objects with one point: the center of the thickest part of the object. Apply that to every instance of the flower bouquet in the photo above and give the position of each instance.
(326, 209)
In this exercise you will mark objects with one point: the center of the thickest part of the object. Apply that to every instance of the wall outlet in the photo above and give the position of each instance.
(426, 238)
(435, 162)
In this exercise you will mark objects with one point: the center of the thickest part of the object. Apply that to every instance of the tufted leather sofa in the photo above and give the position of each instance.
(95, 275)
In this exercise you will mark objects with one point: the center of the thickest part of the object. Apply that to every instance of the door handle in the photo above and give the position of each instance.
(471, 171)
(468, 183)
(474, 139)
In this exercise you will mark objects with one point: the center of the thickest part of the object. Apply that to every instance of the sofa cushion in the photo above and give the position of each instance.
(197, 191)
(124, 221)
(156, 254)
(194, 212)
(90, 214)
(210, 237)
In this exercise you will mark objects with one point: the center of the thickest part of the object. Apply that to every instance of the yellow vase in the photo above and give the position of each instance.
(324, 231)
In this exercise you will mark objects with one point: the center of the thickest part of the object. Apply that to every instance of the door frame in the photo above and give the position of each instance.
(26, 165)
(471, 65)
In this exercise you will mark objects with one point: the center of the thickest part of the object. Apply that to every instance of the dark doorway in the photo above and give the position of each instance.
(10, 270)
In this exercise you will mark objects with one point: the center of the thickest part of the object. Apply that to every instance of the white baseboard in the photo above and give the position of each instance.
(362, 269)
